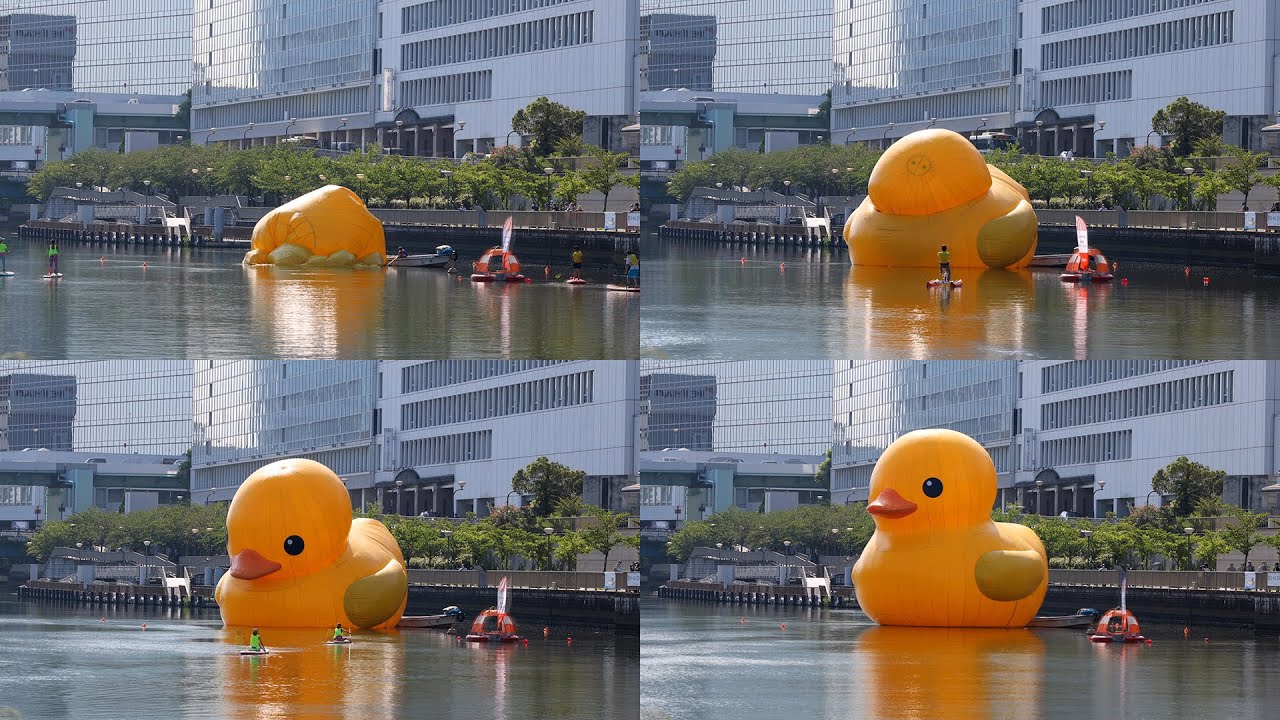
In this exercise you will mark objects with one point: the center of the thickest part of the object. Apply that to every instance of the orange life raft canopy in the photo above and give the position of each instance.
(497, 264)
(493, 626)
(1118, 625)
(1093, 264)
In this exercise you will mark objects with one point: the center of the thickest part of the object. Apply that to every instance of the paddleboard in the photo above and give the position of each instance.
(576, 281)
(54, 276)
(622, 288)
(6, 274)
(338, 642)
(254, 652)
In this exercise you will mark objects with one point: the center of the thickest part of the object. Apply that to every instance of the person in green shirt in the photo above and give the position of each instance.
(53, 258)
(4, 250)
(338, 632)
(944, 264)
(255, 642)
(577, 262)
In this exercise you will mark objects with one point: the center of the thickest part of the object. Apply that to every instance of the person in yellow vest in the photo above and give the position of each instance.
(944, 264)
(53, 258)
(577, 262)
(4, 251)
(255, 642)
(633, 269)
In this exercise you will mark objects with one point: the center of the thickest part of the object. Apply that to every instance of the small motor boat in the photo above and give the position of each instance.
(1087, 264)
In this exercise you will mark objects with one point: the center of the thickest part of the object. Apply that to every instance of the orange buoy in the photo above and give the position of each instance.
(782, 266)
(1124, 282)
(546, 270)
(568, 641)
(1206, 280)
(144, 627)
(1206, 641)
(744, 260)
(104, 619)
(742, 620)
(102, 258)
(546, 632)
(1186, 632)
(1187, 271)
(784, 626)
(526, 642)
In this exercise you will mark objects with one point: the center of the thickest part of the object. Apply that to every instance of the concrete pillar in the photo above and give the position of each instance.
(437, 141)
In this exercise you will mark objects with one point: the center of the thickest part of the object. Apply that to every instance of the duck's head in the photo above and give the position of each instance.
(927, 172)
(289, 519)
(932, 479)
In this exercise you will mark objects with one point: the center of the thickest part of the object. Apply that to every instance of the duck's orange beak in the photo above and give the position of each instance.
(889, 504)
(249, 565)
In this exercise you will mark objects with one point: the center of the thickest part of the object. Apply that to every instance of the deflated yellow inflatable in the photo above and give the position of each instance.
(299, 560)
(936, 558)
(329, 226)
(933, 188)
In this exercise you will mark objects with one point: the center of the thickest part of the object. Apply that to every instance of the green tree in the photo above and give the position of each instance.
(567, 547)
(1241, 533)
(1207, 189)
(1209, 545)
(547, 482)
(1241, 173)
(604, 534)
(1188, 122)
(823, 475)
(603, 175)
(184, 113)
(1187, 482)
(548, 123)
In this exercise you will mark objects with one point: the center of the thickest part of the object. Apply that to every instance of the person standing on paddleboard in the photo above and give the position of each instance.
(4, 251)
(944, 264)
(633, 269)
(577, 262)
(53, 258)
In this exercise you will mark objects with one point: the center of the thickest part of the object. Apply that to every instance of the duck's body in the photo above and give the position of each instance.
(936, 558)
(343, 570)
(933, 188)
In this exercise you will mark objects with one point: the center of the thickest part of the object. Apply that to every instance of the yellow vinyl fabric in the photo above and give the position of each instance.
(936, 558)
(299, 560)
(933, 188)
(329, 226)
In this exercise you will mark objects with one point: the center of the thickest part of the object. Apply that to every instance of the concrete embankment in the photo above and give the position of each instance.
(1198, 248)
(1259, 611)
(598, 610)
(114, 594)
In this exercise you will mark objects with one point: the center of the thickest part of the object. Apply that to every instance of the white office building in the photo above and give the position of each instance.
(1082, 437)
(435, 78)
(1079, 75)
(456, 431)
(250, 413)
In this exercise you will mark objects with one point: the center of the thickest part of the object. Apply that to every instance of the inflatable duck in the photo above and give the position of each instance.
(936, 558)
(329, 226)
(299, 560)
(933, 188)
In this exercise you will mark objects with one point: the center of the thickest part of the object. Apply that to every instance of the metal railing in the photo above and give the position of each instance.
(1164, 579)
(547, 579)
(1185, 219)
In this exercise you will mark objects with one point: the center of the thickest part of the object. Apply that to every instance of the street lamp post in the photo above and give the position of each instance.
(549, 172)
(513, 492)
(448, 536)
(147, 564)
(549, 531)
(1189, 171)
(209, 138)
(513, 132)
(1189, 531)
(245, 137)
(1149, 494)
(1148, 143)
(147, 183)
(1039, 497)
(849, 135)
(885, 135)
(1088, 176)
(979, 128)
(292, 121)
(1088, 536)
(399, 489)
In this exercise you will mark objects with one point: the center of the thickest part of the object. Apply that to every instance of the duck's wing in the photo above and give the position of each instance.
(1009, 575)
(374, 599)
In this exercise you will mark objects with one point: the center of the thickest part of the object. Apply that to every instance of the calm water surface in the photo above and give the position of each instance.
(205, 304)
(64, 662)
(706, 661)
(714, 301)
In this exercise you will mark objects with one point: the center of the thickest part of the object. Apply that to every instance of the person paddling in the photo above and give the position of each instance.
(255, 642)
(944, 264)
(577, 262)
(4, 250)
(338, 633)
(53, 258)
(633, 269)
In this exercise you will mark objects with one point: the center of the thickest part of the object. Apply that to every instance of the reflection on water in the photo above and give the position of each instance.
(66, 662)
(712, 301)
(200, 304)
(708, 661)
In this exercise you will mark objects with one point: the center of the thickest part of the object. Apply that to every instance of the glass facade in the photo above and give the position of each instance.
(877, 402)
(888, 50)
(116, 406)
(737, 45)
(757, 406)
(257, 411)
(115, 46)
(250, 49)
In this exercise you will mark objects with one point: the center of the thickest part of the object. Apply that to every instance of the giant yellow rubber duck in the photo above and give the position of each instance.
(933, 188)
(329, 226)
(936, 558)
(299, 560)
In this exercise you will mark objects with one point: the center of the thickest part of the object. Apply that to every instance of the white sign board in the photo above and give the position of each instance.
(1251, 581)
(1273, 219)
(611, 221)
(1273, 579)
(633, 579)
(633, 219)
(1251, 221)
(611, 581)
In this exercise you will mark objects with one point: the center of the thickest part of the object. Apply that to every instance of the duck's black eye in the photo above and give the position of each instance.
(932, 487)
(293, 543)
